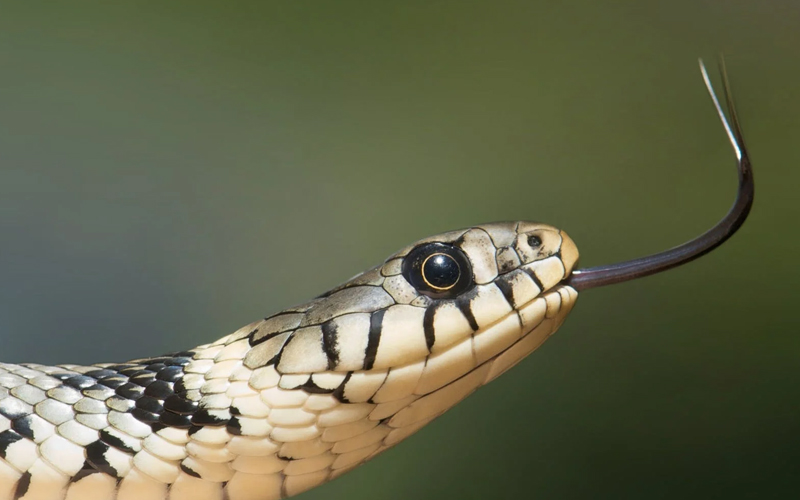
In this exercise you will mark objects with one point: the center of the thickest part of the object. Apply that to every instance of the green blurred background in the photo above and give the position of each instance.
(173, 170)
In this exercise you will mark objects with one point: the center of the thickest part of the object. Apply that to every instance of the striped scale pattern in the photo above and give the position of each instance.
(292, 401)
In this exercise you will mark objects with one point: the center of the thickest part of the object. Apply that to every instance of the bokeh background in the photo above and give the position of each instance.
(170, 171)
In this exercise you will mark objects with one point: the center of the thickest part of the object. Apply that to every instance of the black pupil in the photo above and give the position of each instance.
(534, 241)
(441, 271)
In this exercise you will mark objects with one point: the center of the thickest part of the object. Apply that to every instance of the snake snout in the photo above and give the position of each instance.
(569, 253)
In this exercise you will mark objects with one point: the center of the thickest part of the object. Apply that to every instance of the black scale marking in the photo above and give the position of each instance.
(311, 388)
(338, 393)
(86, 470)
(427, 325)
(22, 426)
(95, 457)
(330, 344)
(533, 276)
(463, 303)
(189, 471)
(7, 438)
(23, 484)
(507, 291)
(374, 338)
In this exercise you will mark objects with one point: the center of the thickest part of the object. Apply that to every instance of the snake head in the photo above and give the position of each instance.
(500, 268)
(469, 293)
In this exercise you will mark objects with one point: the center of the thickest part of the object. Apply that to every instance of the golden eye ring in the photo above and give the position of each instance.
(443, 269)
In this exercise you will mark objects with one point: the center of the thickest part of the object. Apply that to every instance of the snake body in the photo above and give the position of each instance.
(299, 398)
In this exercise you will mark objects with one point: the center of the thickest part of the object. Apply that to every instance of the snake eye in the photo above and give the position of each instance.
(438, 270)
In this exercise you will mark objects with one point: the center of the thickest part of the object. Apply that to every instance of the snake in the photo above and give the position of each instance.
(299, 398)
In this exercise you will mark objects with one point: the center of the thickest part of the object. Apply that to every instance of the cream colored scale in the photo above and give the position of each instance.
(290, 402)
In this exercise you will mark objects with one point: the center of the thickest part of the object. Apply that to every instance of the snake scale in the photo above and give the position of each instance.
(299, 398)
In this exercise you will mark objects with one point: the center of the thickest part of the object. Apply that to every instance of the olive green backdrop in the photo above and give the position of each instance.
(170, 171)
